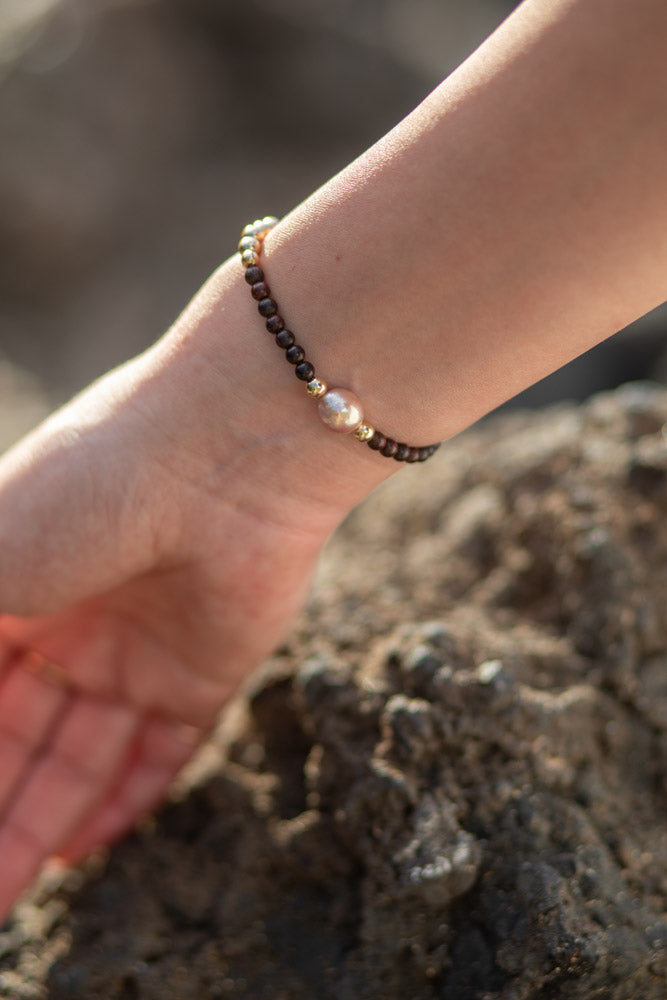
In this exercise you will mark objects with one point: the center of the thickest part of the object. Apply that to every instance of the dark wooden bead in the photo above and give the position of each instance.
(253, 274)
(260, 290)
(284, 339)
(377, 442)
(424, 453)
(390, 448)
(267, 307)
(295, 354)
(402, 452)
(275, 324)
(305, 371)
(413, 455)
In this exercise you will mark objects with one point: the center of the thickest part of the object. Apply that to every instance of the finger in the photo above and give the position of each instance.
(29, 710)
(102, 649)
(7, 655)
(161, 751)
(63, 784)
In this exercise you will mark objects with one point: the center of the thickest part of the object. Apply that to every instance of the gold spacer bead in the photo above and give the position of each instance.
(316, 387)
(249, 243)
(260, 227)
(249, 258)
(364, 432)
(266, 225)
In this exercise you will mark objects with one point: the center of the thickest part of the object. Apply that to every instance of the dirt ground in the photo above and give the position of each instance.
(449, 783)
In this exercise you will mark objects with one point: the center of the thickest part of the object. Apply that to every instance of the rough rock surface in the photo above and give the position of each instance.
(449, 783)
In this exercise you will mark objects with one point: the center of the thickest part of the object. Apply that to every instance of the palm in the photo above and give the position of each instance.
(149, 650)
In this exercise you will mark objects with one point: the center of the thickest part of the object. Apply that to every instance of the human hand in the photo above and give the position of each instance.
(153, 551)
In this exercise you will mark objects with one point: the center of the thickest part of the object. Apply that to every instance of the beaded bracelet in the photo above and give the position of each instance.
(339, 409)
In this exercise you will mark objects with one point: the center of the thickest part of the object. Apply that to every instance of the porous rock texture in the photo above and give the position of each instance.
(451, 780)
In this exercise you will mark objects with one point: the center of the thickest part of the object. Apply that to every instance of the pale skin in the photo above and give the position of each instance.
(159, 533)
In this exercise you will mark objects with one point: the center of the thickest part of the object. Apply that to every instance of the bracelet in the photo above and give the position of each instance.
(339, 409)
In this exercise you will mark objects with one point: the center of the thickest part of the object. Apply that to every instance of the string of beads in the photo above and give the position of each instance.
(339, 409)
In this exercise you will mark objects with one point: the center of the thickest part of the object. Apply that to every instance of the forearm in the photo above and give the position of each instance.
(514, 219)
(517, 217)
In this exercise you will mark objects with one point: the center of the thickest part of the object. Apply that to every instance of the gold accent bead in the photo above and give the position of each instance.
(268, 222)
(249, 258)
(249, 243)
(316, 387)
(364, 432)
(260, 227)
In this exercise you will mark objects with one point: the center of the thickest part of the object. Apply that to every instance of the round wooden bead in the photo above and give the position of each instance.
(260, 290)
(304, 371)
(254, 274)
(275, 323)
(377, 442)
(390, 448)
(267, 307)
(284, 339)
(295, 354)
(402, 452)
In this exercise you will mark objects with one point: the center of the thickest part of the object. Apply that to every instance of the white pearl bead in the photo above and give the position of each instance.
(340, 410)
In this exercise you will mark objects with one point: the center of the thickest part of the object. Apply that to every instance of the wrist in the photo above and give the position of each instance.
(247, 421)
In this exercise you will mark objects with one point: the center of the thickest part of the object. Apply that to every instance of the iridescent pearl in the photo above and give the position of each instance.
(340, 410)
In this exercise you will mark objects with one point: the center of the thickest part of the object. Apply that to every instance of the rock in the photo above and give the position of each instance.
(450, 781)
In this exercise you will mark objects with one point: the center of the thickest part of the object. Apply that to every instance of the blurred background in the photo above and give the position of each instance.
(137, 136)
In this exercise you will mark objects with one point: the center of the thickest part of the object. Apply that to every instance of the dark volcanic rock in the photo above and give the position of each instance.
(450, 782)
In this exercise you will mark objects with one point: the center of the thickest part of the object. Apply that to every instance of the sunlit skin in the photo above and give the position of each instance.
(159, 534)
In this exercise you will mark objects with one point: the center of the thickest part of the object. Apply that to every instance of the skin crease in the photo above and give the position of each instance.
(159, 533)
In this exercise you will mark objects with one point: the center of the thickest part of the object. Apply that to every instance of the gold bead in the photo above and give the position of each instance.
(364, 432)
(249, 258)
(260, 227)
(316, 387)
(254, 229)
(249, 243)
